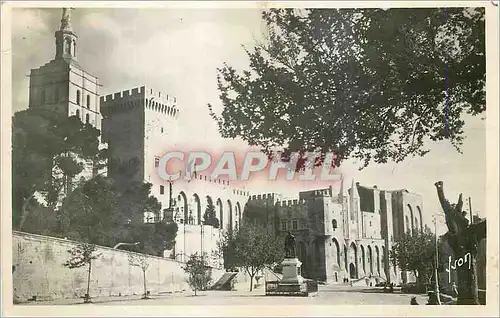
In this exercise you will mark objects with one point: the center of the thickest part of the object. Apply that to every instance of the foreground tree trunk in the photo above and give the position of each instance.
(467, 284)
(463, 243)
(144, 280)
(87, 296)
(24, 210)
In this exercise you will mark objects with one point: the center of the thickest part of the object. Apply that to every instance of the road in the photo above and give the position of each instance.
(327, 295)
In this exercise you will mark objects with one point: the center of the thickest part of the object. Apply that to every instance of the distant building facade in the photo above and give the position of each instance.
(345, 235)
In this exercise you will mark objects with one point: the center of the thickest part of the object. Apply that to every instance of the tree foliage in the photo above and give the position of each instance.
(416, 252)
(88, 213)
(48, 151)
(252, 248)
(370, 84)
(210, 216)
(199, 273)
(100, 211)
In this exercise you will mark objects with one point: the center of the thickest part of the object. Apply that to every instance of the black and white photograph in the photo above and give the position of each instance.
(273, 155)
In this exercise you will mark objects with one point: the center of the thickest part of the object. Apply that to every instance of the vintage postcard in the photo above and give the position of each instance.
(250, 158)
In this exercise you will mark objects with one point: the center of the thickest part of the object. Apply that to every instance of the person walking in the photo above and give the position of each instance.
(413, 301)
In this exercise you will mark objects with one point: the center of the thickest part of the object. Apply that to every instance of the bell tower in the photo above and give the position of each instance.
(66, 38)
(62, 84)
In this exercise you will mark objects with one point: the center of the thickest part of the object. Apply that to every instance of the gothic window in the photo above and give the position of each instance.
(157, 162)
(78, 97)
(87, 118)
(295, 225)
(88, 101)
(370, 223)
(283, 225)
(162, 189)
(162, 130)
(68, 46)
(334, 224)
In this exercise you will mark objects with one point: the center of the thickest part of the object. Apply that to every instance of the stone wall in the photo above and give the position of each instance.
(189, 241)
(37, 266)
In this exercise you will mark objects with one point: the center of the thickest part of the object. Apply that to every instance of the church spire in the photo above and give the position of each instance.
(66, 20)
(66, 38)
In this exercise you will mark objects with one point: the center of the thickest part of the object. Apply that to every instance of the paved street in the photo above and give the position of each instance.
(328, 295)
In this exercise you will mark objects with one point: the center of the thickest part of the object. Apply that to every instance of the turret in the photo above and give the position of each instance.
(66, 38)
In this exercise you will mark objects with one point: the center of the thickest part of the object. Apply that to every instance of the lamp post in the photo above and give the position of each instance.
(170, 208)
(201, 237)
(436, 277)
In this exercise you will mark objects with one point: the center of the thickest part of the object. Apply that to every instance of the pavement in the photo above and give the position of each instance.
(327, 295)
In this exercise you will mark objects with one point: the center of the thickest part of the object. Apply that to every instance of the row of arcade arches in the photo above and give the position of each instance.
(192, 209)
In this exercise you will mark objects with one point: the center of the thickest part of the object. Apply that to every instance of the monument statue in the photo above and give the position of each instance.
(66, 19)
(290, 246)
(463, 240)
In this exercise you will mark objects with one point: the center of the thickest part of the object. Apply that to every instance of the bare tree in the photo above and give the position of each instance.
(81, 255)
(141, 261)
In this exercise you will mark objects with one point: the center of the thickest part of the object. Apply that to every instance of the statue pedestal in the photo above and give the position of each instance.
(291, 271)
(292, 283)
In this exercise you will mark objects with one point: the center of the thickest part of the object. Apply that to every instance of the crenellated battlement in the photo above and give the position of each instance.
(265, 196)
(140, 97)
(224, 183)
(162, 108)
(135, 92)
(160, 97)
(292, 203)
(316, 193)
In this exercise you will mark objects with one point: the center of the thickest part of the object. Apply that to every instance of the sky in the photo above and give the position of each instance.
(178, 51)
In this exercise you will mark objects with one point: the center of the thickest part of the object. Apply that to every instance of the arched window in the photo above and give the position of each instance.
(420, 221)
(78, 97)
(68, 46)
(87, 118)
(412, 226)
(88, 101)
(334, 224)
